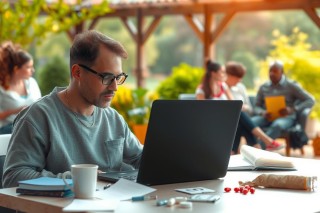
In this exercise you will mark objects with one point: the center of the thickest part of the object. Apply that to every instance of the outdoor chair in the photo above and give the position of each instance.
(4, 141)
(297, 129)
(187, 96)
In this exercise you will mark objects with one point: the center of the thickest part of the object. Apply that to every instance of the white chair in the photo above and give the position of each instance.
(187, 96)
(4, 142)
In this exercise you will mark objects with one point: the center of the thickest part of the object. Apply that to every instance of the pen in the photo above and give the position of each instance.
(141, 198)
(107, 186)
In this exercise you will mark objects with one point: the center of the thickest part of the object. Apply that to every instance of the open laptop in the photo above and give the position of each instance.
(186, 140)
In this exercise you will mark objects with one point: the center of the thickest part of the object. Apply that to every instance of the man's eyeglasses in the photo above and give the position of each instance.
(107, 78)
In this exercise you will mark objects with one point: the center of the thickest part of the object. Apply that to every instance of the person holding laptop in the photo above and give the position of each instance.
(76, 124)
(296, 99)
(214, 87)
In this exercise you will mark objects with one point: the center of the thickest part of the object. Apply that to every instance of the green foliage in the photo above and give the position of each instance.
(54, 73)
(176, 46)
(142, 105)
(251, 63)
(300, 62)
(133, 104)
(184, 79)
(27, 21)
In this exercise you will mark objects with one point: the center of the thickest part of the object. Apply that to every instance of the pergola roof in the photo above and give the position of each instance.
(195, 6)
(207, 29)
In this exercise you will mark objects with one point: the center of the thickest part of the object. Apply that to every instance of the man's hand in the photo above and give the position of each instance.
(267, 115)
(286, 111)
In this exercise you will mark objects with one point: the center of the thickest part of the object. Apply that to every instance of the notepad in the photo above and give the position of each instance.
(274, 104)
(45, 184)
(251, 158)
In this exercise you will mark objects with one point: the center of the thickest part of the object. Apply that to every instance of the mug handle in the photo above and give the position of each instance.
(67, 173)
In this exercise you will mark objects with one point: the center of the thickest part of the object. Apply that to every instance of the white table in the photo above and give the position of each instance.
(263, 200)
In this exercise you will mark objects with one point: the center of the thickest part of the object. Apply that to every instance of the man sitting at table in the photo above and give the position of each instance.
(75, 125)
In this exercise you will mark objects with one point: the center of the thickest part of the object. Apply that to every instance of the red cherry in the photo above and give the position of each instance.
(252, 190)
(245, 191)
(227, 189)
(236, 189)
(247, 186)
(241, 189)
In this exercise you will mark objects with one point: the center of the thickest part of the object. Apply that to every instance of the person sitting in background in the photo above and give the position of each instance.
(296, 99)
(74, 124)
(213, 87)
(235, 72)
(17, 87)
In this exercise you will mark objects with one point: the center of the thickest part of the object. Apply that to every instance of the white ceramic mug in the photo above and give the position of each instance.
(84, 178)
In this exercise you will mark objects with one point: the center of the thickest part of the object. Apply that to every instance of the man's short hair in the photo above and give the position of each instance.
(276, 63)
(235, 69)
(86, 46)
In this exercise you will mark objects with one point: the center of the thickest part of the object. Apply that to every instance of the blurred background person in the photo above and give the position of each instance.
(214, 87)
(213, 84)
(235, 72)
(296, 99)
(18, 88)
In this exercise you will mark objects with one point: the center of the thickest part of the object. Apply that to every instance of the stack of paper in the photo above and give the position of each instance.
(109, 199)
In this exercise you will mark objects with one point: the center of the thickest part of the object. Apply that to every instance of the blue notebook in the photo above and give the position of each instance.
(45, 184)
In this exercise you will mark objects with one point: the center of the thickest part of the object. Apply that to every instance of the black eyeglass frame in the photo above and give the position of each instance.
(102, 76)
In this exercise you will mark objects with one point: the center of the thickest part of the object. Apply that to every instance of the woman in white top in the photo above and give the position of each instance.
(213, 84)
(17, 88)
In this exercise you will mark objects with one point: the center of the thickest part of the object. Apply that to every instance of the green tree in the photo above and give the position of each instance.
(25, 21)
(301, 63)
(176, 46)
(54, 73)
(251, 63)
(184, 79)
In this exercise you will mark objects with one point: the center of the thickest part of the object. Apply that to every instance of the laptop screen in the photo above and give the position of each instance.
(188, 140)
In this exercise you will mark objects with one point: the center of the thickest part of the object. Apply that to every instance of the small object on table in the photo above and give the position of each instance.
(162, 202)
(307, 183)
(142, 198)
(171, 202)
(185, 205)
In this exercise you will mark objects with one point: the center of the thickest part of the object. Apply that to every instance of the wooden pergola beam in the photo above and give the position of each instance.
(206, 32)
(130, 27)
(140, 34)
(153, 25)
(312, 13)
(195, 25)
(222, 25)
(209, 25)
(213, 6)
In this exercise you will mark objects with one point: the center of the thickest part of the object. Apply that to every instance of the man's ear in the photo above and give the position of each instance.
(75, 71)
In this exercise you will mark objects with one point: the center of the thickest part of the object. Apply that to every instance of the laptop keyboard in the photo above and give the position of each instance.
(129, 177)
